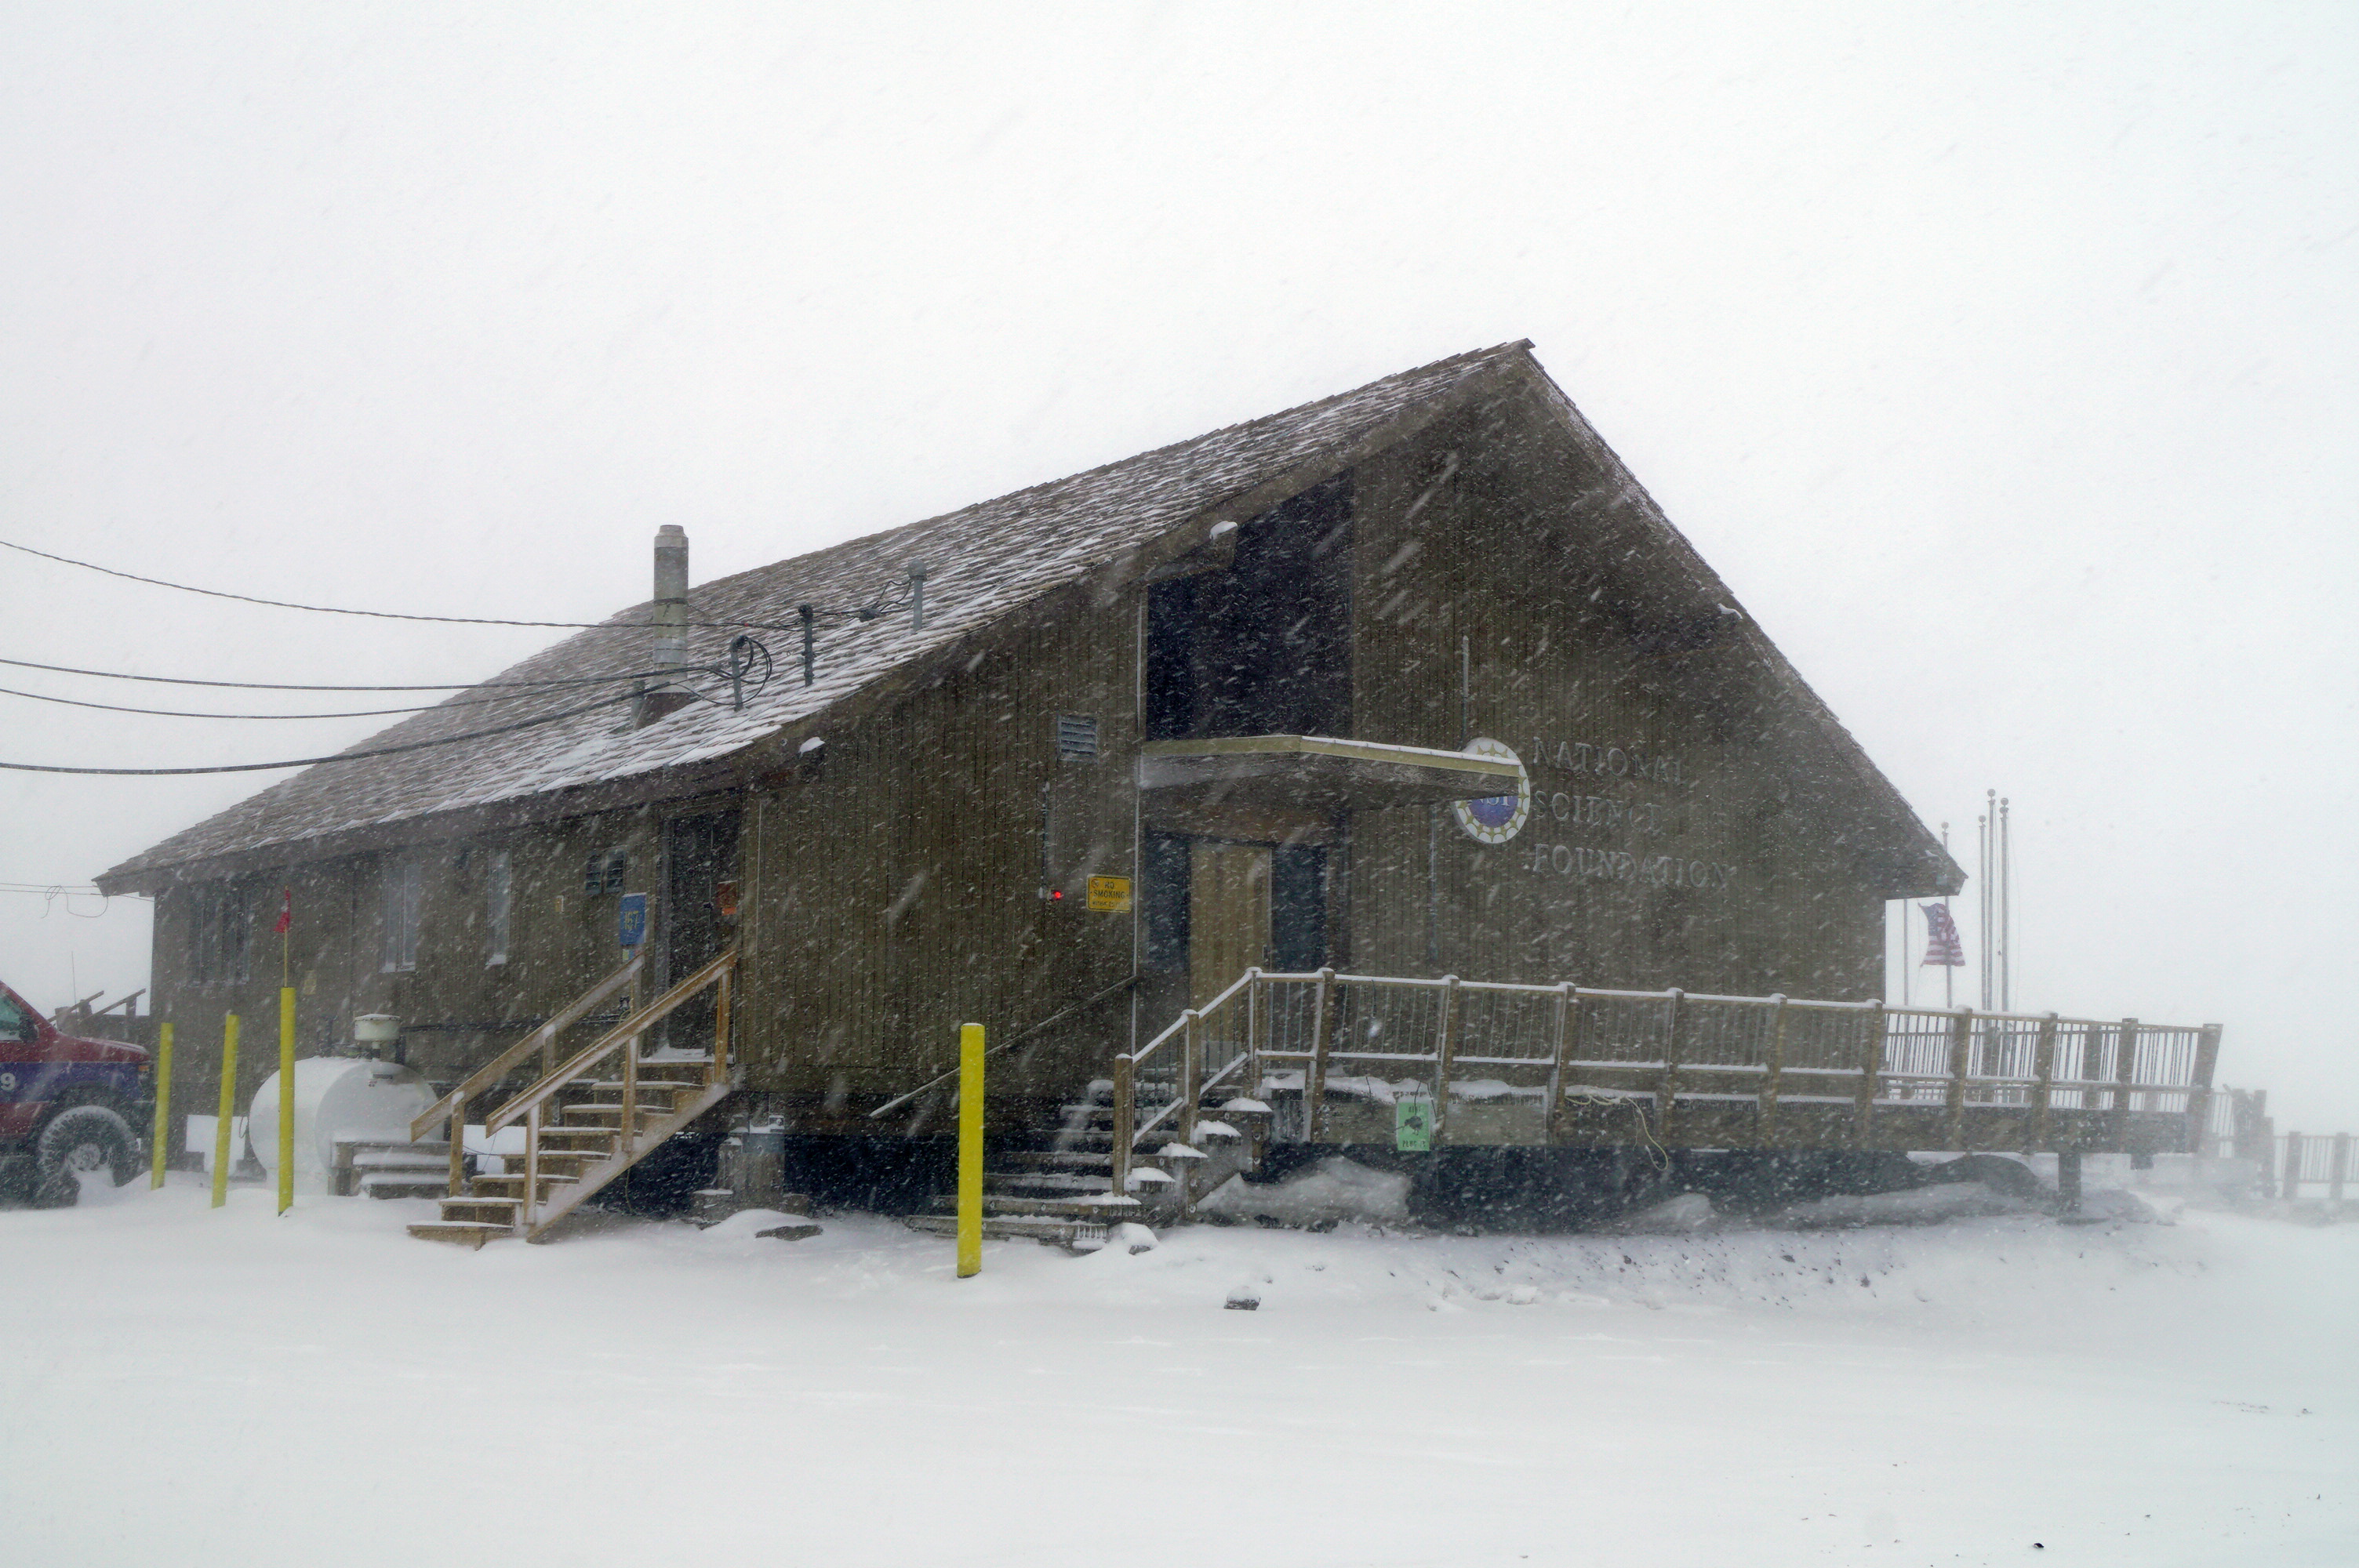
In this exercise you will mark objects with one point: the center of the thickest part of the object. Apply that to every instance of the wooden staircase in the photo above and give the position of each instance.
(582, 1129)
(1058, 1184)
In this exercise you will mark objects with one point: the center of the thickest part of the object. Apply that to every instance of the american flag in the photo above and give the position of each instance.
(1942, 943)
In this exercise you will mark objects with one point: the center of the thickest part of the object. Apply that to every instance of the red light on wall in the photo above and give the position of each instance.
(1055, 893)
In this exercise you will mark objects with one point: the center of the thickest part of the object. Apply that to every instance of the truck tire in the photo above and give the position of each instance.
(87, 1138)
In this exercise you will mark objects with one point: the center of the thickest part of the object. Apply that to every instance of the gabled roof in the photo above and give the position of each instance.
(983, 562)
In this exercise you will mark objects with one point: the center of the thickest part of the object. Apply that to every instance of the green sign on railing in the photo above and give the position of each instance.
(1413, 1124)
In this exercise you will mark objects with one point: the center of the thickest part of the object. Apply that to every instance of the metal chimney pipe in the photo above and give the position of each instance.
(669, 694)
(917, 596)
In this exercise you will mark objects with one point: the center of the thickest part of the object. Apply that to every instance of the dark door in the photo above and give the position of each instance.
(699, 914)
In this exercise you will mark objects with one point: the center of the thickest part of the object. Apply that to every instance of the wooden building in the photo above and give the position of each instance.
(1414, 681)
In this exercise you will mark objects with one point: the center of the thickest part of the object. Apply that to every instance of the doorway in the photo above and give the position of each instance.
(698, 915)
(1228, 914)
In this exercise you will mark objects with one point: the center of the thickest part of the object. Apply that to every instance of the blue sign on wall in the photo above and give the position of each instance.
(631, 917)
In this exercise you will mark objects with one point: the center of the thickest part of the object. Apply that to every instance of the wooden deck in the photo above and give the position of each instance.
(1340, 1056)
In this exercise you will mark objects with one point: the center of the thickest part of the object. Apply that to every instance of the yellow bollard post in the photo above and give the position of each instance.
(228, 1106)
(970, 1152)
(286, 1099)
(163, 1105)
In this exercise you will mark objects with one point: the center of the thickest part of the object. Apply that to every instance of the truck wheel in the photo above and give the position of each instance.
(86, 1138)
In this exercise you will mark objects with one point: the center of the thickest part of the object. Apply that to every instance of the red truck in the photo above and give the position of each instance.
(69, 1107)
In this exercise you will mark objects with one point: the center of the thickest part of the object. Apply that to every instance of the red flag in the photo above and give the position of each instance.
(1942, 943)
(286, 912)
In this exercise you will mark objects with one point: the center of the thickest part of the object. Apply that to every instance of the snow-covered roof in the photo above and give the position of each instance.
(982, 563)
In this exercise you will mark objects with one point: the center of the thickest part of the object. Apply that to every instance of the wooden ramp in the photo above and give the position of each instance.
(1413, 1063)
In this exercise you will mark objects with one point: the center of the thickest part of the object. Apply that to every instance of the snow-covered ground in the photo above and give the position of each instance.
(190, 1387)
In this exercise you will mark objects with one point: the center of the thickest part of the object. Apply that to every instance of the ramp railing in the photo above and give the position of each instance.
(1458, 1041)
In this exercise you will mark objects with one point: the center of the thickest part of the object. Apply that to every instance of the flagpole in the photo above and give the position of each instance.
(286, 1051)
(1949, 971)
(1905, 965)
(2005, 912)
(1983, 905)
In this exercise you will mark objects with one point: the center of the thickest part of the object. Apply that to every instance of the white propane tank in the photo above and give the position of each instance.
(336, 1097)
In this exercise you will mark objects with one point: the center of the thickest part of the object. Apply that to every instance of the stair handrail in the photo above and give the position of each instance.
(1013, 1041)
(454, 1105)
(630, 1029)
(1127, 1129)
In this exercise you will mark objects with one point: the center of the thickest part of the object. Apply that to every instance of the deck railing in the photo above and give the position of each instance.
(2314, 1160)
(1328, 1032)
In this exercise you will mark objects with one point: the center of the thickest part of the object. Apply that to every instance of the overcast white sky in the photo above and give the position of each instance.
(2001, 358)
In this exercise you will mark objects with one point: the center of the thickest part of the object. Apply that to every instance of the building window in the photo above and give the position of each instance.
(401, 900)
(497, 889)
(605, 871)
(219, 927)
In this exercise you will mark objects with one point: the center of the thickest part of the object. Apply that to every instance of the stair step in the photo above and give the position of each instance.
(612, 1093)
(404, 1184)
(581, 1140)
(1102, 1205)
(1016, 1228)
(460, 1233)
(592, 1118)
(565, 1161)
(482, 1210)
(512, 1187)
(1059, 1159)
(1046, 1181)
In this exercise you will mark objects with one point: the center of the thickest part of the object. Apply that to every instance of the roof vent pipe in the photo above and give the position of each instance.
(666, 693)
(917, 596)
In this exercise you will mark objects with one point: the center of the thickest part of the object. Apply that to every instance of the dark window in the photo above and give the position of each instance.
(218, 927)
(14, 1024)
(606, 870)
(1298, 909)
(403, 890)
(498, 898)
(1172, 659)
(1264, 647)
(1165, 903)
(618, 868)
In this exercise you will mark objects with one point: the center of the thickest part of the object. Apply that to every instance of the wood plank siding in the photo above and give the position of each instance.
(948, 824)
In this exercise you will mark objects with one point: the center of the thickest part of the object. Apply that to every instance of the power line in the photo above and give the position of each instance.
(53, 891)
(322, 609)
(862, 612)
(338, 757)
(276, 685)
(185, 713)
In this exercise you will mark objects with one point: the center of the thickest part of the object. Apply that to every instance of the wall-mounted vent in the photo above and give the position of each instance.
(605, 871)
(1076, 737)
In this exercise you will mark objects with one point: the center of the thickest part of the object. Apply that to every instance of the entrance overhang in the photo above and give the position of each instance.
(1308, 776)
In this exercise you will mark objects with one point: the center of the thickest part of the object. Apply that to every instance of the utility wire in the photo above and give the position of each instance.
(338, 757)
(864, 613)
(185, 713)
(275, 685)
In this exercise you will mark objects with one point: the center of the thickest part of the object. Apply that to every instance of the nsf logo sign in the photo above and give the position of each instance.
(1496, 818)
